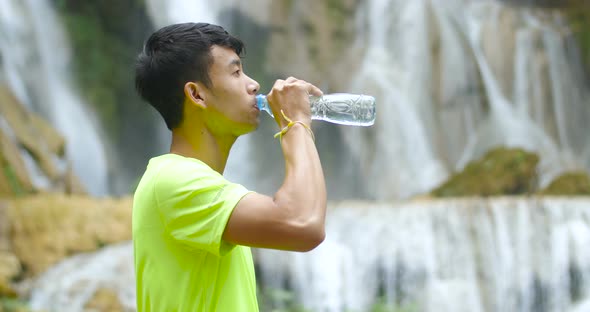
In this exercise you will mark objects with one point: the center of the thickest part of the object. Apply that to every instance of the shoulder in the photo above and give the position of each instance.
(171, 165)
(174, 174)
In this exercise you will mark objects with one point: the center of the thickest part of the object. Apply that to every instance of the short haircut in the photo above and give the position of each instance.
(173, 56)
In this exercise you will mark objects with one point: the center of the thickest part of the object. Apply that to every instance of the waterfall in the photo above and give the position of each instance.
(396, 71)
(452, 79)
(426, 63)
(14, 53)
(180, 11)
(445, 92)
(502, 254)
(506, 124)
(35, 57)
(82, 275)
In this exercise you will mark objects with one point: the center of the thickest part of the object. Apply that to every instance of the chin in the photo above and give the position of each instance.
(254, 127)
(248, 127)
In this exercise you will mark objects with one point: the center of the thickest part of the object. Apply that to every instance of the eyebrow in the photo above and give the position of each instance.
(237, 62)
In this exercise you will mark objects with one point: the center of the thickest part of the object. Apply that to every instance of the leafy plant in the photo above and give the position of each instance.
(13, 305)
(278, 300)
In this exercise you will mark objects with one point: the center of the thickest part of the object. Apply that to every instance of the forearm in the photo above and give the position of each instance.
(303, 192)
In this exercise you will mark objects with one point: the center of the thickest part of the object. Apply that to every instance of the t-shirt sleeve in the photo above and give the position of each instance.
(195, 204)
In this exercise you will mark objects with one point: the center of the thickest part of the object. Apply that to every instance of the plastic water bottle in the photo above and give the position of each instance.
(340, 108)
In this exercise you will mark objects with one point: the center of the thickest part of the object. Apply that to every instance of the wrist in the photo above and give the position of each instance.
(293, 123)
(286, 118)
(296, 129)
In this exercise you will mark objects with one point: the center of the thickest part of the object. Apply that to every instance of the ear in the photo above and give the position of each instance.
(194, 93)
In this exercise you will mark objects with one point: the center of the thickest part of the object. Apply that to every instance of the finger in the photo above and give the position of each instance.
(291, 79)
(313, 90)
(310, 88)
(278, 85)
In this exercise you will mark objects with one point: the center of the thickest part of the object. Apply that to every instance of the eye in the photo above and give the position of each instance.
(237, 72)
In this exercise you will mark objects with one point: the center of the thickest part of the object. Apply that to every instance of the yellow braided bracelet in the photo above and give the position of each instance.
(291, 124)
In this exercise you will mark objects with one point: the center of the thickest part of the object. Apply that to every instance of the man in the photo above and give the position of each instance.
(191, 227)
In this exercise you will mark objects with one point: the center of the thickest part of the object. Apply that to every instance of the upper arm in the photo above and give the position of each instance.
(258, 221)
(194, 204)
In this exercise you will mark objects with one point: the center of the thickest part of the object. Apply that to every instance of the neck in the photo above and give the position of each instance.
(200, 143)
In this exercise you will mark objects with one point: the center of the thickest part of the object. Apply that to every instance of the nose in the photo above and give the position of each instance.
(253, 86)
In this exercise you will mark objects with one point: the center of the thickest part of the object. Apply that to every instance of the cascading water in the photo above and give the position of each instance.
(444, 97)
(35, 57)
(83, 275)
(487, 267)
(13, 50)
(441, 103)
(180, 11)
(502, 254)
(518, 127)
(506, 125)
(430, 123)
(400, 160)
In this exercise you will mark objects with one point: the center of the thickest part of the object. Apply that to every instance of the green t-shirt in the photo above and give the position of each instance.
(180, 211)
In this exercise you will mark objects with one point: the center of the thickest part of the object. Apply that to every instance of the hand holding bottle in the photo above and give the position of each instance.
(292, 97)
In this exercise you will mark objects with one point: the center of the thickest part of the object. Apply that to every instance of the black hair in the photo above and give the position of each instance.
(173, 56)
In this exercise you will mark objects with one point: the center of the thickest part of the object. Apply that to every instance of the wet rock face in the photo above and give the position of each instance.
(104, 300)
(9, 264)
(309, 45)
(38, 231)
(9, 268)
(48, 228)
(25, 135)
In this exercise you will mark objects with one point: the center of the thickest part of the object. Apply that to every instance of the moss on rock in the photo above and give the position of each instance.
(104, 299)
(502, 171)
(569, 183)
(579, 18)
(46, 228)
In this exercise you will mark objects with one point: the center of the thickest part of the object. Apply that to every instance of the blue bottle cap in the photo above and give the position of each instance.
(260, 99)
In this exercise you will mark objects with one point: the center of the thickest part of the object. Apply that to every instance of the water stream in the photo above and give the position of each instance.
(35, 58)
(501, 254)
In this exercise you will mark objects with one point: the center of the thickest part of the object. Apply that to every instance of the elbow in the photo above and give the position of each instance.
(316, 240)
(312, 239)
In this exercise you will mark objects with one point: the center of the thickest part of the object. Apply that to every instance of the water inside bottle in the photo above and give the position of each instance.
(345, 109)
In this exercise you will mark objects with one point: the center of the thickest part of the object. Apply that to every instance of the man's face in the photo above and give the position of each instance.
(231, 99)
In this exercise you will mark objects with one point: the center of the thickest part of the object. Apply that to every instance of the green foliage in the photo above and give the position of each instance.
(13, 305)
(96, 66)
(106, 37)
(579, 18)
(382, 306)
(278, 300)
(10, 175)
